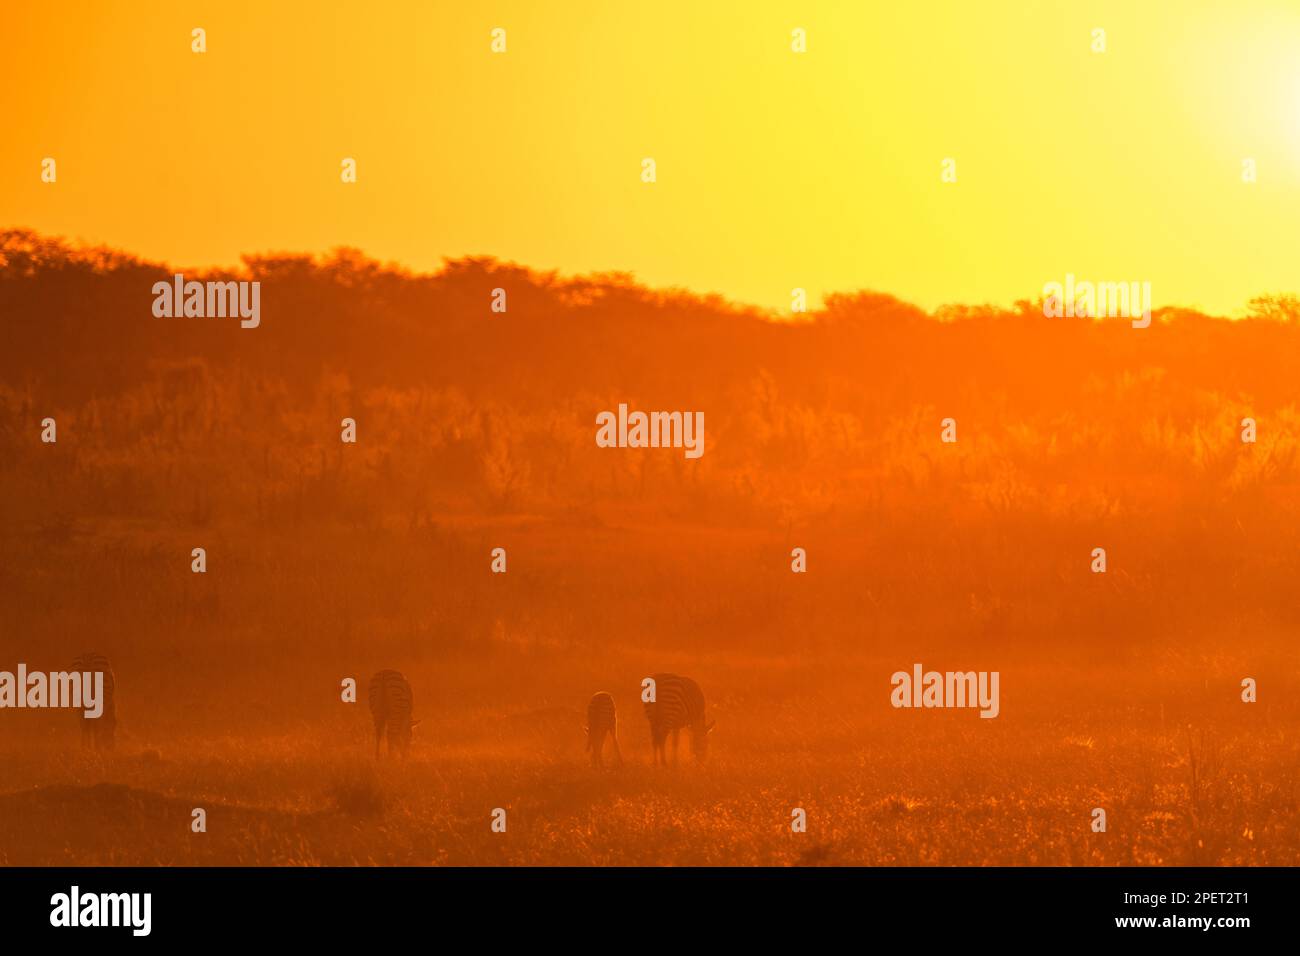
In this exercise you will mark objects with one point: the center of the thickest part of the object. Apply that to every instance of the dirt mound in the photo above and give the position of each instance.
(115, 824)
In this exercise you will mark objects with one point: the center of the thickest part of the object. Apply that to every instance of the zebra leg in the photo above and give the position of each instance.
(676, 737)
(404, 742)
(618, 755)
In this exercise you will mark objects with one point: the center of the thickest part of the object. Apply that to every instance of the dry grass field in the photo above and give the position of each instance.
(327, 561)
(260, 739)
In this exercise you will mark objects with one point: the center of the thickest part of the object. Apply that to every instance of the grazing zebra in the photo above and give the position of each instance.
(678, 703)
(99, 732)
(390, 705)
(602, 719)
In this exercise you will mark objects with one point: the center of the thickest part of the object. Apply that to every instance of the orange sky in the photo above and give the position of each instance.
(776, 170)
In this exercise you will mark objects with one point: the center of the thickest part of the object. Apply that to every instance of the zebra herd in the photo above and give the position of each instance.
(675, 704)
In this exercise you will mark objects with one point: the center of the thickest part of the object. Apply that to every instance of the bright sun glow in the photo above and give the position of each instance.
(819, 171)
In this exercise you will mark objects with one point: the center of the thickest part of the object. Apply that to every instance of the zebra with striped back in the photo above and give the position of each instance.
(678, 705)
(390, 705)
(99, 733)
(602, 721)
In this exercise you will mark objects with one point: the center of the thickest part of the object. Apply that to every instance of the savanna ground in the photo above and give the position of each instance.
(261, 740)
(1118, 690)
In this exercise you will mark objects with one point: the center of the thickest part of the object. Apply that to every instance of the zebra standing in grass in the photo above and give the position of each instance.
(602, 719)
(678, 703)
(390, 705)
(99, 732)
